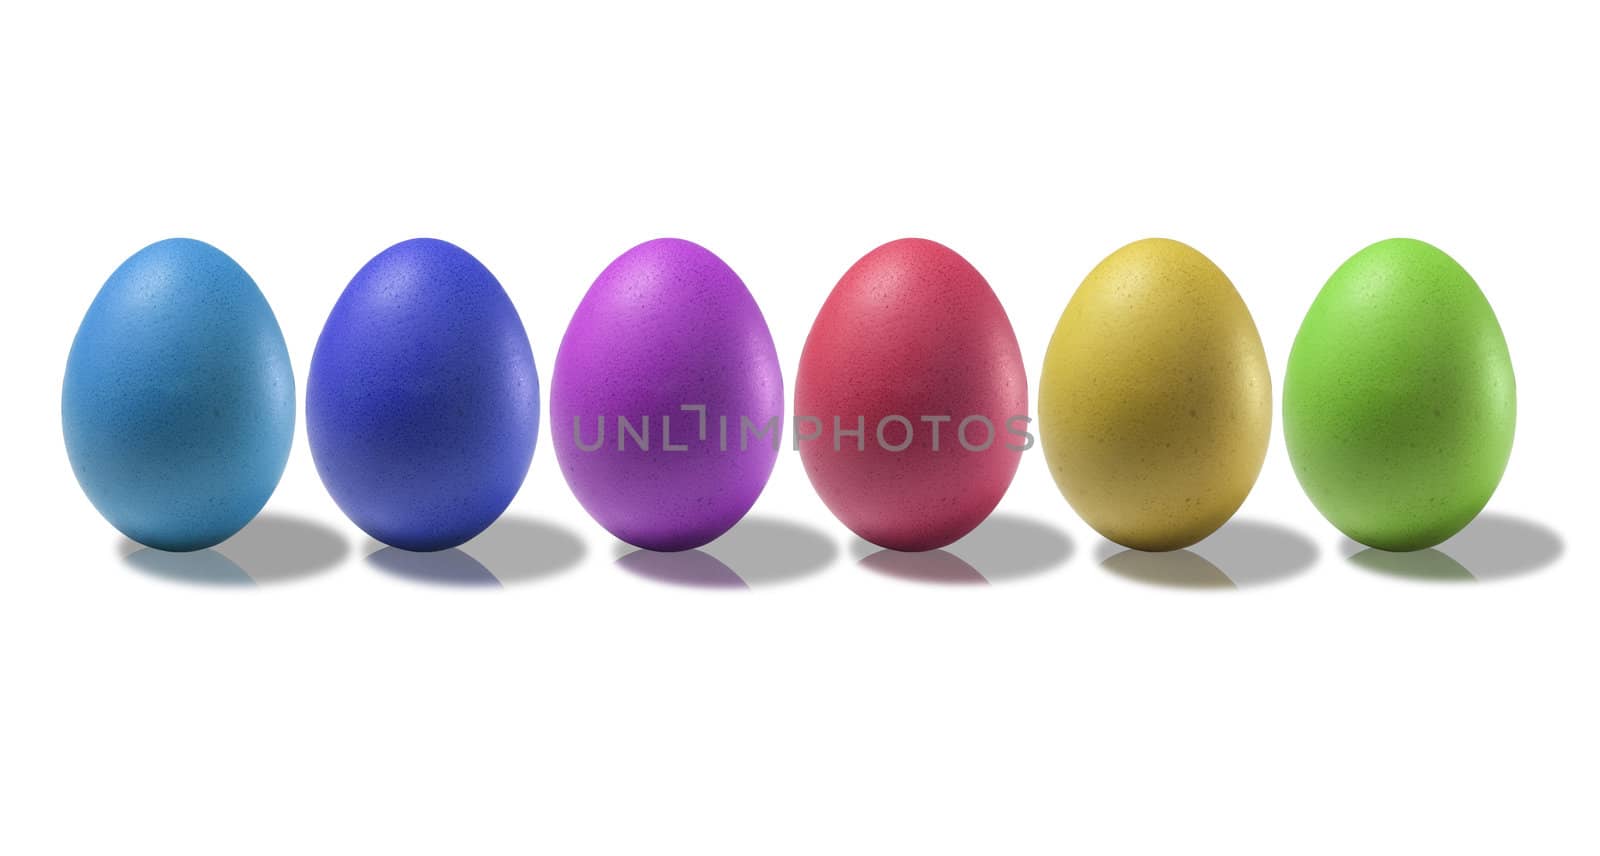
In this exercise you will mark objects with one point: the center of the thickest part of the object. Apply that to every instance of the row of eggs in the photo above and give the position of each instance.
(1155, 406)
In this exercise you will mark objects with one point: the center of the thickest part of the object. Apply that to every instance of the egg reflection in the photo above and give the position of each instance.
(1494, 546)
(1004, 547)
(452, 567)
(274, 548)
(198, 567)
(1242, 554)
(759, 552)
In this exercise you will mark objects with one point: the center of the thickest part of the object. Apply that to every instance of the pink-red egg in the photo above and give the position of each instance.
(911, 400)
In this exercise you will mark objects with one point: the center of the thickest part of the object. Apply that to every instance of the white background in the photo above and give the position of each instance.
(338, 707)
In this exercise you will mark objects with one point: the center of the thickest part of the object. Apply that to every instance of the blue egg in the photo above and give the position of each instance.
(178, 403)
(423, 401)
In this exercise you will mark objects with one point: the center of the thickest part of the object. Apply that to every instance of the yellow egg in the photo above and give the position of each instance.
(1155, 404)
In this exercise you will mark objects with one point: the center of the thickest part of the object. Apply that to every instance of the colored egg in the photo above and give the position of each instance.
(1155, 405)
(667, 398)
(423, 403)
(911, 401)
(178, 402)
(1399, 404)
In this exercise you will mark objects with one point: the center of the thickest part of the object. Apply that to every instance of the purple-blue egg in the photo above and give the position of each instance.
(423, 402)
(667, 398)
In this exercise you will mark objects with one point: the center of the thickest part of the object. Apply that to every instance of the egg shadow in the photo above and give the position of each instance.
(1491, 547)
(512, 551)
(757, 552)
(1002, 548)
(1242, 554)
(273, 548)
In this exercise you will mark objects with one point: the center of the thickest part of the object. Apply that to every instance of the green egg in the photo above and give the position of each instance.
(1399, 404)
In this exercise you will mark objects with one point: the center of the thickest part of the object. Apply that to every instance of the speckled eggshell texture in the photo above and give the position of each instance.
(178, 402)
(669, 339)
(423, 402)
(1399, 404)
(911, 331)
(1155, 404)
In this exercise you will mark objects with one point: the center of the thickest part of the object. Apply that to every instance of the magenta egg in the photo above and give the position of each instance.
(666, 402)
(911, 399)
